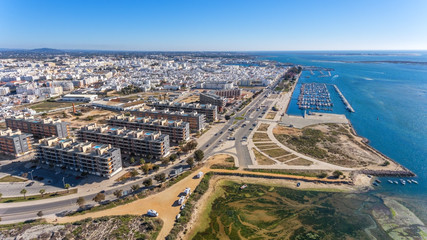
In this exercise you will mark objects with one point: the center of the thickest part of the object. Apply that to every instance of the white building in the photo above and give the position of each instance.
(4, 91)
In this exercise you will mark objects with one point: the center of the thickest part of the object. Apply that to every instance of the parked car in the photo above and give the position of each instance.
(152, 213)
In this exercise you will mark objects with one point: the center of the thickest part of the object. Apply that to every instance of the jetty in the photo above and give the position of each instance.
(346, 103)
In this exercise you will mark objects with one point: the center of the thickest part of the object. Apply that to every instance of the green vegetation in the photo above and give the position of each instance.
(263, 212)
(306, 143)
(239, 118)
(286, 158)
(287, 172)
(11, 179)
(227, 164)
(36, 197)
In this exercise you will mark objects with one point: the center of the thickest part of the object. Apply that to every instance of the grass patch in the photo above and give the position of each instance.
(11, 179)
(269, 146)
(260, 137)
(239, 118)
(38, 197)
(270, 115)
(261, 159)
(286, 158)
(46, 106)
(288, 172)
(276, 152)
(263, 127)
(300, 162)
(306, 143)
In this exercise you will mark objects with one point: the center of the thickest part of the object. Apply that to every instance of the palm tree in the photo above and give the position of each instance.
(118, 193)
(42, 191)
(24, 191)
(67, 186)
(134, 187)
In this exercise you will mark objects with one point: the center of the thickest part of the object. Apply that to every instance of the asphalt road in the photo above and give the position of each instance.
(27, 212)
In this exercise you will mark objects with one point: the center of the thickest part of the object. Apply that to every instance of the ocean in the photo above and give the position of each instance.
(388, 91)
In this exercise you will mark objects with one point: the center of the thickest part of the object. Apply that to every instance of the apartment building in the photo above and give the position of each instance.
(15, 143)
(131, 142)
(178, 131)
(86, 157)
(210, 111)
(210, 98)
(196, 120)
(230, 93)
(39, 127)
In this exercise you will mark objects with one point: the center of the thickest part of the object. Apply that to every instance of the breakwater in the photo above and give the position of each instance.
(346, 103)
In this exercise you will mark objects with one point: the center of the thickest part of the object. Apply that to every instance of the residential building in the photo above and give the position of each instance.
(39, 127)
(131, 142)
(196, 120)
(178, 131)
(86, 157)
(4, 91)
(15, 143)
(230, 93)
(210, 98)
(210, 111)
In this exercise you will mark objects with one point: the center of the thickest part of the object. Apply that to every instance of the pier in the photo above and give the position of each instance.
(314, 96)
(346, 103)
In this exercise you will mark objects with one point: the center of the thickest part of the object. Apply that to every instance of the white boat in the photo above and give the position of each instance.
(390, 181)
(395, 182)
(402, 181)
(414, 181)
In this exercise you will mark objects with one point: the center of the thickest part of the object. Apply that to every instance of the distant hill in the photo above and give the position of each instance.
(46, 50)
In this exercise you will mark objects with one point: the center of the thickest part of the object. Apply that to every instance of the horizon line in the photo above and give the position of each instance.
(301, 50)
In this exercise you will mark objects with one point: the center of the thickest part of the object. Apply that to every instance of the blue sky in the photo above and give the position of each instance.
(212, 25)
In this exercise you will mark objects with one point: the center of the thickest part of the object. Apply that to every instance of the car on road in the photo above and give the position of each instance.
(29, 184)
(182, 206)
(207, 145)
(251, 129)
(152, 213)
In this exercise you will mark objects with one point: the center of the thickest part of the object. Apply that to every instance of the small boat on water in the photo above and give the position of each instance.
(409, 181)
(414, 181)
(377, 180)
(375, 184)
(390, 181)
(402, 181)
(395, 182)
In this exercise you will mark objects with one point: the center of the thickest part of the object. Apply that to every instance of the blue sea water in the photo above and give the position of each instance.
(390, 100)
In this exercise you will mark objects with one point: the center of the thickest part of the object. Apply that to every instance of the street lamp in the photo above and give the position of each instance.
(31, 172)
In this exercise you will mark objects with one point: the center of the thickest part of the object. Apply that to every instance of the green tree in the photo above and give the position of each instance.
(135, 187)
(199, 155)
(99, 197)
(156, 168)
(67, 186)
(145, 168)
(118, 193)
(132, 160)
(161, 177)
(337, 174)
(173, 157)
(80, 201)
(141, 161)
(227, 117)
(23, 192)
(165, 161)
(190, 162)
(148, 182)
(42, 191)
(134, 173)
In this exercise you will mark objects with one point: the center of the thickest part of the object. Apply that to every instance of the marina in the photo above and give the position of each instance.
(314, 96)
